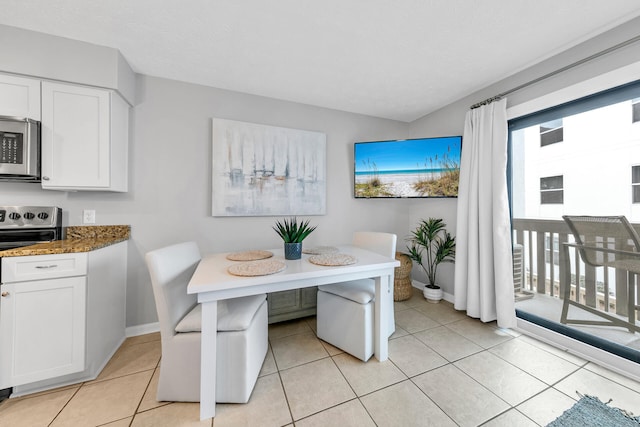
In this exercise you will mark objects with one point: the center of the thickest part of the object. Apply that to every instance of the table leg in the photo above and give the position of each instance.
(208, 362)
(381, 345)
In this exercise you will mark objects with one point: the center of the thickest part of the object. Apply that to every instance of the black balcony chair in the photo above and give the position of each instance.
(604, 241)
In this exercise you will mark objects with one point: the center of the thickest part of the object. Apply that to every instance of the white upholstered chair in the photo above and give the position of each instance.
(345, 312)
(242, 332)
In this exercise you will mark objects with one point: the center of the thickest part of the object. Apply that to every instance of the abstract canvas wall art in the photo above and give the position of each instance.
(260, 170)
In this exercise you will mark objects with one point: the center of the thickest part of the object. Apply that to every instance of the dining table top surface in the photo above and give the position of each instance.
(213, 272)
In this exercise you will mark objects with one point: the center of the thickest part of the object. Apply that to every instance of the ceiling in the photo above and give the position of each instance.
(395, 59)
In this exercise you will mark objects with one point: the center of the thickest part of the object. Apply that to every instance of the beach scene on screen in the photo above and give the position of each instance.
(426, 167)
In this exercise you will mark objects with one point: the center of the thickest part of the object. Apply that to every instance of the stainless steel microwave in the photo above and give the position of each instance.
(19, 149)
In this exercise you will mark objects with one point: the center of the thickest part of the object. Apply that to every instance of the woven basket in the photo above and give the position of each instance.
(402, 289)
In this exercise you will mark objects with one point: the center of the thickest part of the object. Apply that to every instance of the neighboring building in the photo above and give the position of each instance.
(586, 164)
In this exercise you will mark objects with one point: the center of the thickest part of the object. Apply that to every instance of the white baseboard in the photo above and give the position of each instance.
(148, 328)
(446, 296)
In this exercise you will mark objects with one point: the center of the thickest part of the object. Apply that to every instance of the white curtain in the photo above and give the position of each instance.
(483, 268)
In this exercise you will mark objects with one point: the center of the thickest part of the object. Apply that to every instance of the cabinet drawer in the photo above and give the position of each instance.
(38, 267)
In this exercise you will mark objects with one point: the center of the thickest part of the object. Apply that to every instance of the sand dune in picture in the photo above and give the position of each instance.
(400, 185)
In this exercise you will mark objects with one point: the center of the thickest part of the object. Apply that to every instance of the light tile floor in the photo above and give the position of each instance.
(444, 369)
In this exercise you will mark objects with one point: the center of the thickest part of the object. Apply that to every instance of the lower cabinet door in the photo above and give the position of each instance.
(42, 329)
(283, 302)
(293, 304)
(308, 297)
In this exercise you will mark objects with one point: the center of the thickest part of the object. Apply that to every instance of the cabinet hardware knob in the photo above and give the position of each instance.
(5, 293)
(45, 178)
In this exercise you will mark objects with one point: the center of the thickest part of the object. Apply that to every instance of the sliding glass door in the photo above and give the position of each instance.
(578, 159)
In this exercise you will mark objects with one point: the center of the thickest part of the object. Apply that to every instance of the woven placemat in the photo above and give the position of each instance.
(333, 259)
(257, 268)
(249, 255)
(319, 250)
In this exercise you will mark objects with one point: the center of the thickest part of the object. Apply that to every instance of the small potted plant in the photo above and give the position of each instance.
(429, 245)
(293, 232)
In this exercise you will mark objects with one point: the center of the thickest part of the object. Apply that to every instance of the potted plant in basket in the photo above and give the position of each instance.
(293, 232)
(429, 245)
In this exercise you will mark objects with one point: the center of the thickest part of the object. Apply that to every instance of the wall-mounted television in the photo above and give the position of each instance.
(423, 167)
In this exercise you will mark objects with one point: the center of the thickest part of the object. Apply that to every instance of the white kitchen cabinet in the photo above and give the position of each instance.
(84, 138)
(19, 97)
(63, 329)
(42, 321)
(106, 305)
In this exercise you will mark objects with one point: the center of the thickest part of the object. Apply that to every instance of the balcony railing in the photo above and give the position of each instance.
(543, 257)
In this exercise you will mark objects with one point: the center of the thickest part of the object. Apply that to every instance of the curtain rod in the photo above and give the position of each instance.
(558, 71)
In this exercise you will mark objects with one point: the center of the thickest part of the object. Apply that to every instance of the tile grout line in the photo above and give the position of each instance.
(135, 412)
(483, 349)
(284, 390)
(65, 405)
(352, 389)
(425, 393)
(96, 381)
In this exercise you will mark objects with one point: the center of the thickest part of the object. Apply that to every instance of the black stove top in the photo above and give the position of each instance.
(28, 225)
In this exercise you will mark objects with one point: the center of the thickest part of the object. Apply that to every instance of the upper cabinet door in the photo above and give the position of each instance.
(19, 97)
(76, 137)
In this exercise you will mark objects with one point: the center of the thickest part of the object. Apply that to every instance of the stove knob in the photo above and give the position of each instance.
(43, 215)
(14, 215)
(28, 215)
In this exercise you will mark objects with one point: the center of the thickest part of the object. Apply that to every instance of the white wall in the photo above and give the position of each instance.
(450, 119)
(170, 179)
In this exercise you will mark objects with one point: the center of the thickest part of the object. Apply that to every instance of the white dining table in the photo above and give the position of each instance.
(212, 282)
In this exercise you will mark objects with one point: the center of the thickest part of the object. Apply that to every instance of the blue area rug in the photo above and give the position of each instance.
(590, 411)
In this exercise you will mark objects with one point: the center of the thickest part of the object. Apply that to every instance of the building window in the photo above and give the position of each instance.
(635, 110)
(635, 184)
(551, 132)
(548, 250)
(552, 190)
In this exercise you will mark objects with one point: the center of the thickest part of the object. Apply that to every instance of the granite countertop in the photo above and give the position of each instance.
(84, 238)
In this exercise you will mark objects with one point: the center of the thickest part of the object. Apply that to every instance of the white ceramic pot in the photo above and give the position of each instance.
(432, 295)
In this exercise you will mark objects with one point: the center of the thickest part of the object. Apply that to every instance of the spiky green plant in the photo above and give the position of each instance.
(293, 231)
(429, 245)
